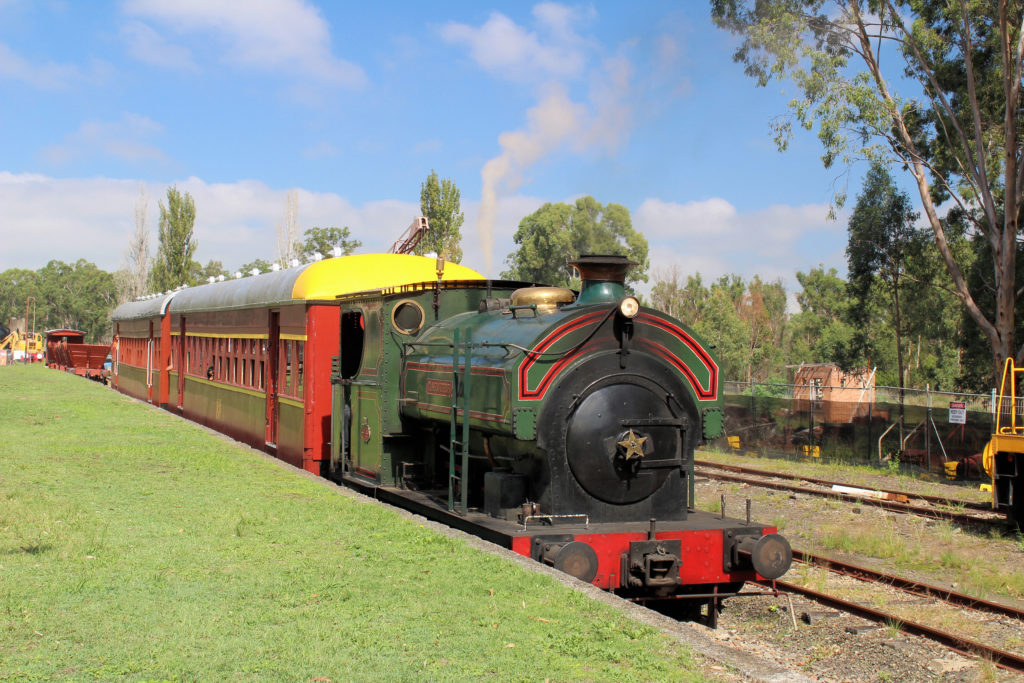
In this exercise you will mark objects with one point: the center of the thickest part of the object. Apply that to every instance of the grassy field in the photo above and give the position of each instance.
(135, 546)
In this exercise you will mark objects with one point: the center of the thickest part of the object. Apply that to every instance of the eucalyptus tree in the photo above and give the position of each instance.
(934, 85)
(555, 234)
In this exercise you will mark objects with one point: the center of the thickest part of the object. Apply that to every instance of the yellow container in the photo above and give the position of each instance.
(951, 469)
(987, 488)
(734, 441)
(811, 451)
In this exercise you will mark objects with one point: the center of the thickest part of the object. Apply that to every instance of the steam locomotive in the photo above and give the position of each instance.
(558, 425)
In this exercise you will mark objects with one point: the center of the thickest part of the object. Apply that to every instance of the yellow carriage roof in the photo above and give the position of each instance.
(323, 280)
(365, 272)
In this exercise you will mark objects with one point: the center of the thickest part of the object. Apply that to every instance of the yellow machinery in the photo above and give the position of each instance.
(23, 344)
(1004, 452)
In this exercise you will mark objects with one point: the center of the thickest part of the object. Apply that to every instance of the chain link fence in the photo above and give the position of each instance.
(860, 424)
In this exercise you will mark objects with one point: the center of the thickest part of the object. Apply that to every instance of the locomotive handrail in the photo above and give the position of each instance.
(524, 307)
(1010, 372)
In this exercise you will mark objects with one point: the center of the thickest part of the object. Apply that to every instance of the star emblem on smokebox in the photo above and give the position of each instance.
(634, 445)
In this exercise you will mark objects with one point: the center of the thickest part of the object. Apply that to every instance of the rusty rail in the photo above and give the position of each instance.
(908, 585)
(937, 500)
(965, 646)
(890, 505)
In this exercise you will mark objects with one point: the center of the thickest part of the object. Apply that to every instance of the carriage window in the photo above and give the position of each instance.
(286, 362)
(352, 336)
(298, 367)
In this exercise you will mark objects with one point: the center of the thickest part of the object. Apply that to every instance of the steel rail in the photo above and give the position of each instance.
(938, 500)
(890, 505)
(965, 646)
(908, 585)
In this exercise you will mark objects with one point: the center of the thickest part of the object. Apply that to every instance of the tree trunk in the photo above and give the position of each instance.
(898, 328)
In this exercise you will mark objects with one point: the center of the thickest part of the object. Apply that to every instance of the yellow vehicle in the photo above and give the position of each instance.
(22, 345)
(1004, 453)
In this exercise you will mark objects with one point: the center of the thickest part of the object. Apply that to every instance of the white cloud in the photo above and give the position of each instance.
(320, 150)
(92, 218)
(659, 219)
(48, 218)
(282, 35)
(50, 75)
(507, 49)
(122, 139)
(431, 146)
(557, 122)
(149, 46)
(713, 238)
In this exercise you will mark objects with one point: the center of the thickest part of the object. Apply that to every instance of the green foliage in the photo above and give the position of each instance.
(958, 135)
(440, 203)
(211, 269)
(820, 332)
(173, 265)
(555, 234)
(881, 233)
(262, 265)
(744, 320)
(76, 296)
(323, 240)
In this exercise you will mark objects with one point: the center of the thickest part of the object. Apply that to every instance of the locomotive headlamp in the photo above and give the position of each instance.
(629, 307)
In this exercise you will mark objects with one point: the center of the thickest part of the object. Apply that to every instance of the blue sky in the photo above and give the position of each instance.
(353, 104)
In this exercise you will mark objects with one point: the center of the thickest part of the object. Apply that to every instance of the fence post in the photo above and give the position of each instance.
(810, 415)
(871, 404)
(928, 423)
(993, 412)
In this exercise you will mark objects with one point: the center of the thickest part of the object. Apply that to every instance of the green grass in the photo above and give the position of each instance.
(134, 546)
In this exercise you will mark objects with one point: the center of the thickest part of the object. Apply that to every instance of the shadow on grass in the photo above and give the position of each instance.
(32, 549)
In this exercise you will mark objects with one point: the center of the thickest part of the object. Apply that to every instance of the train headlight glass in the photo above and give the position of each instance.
(629, 307)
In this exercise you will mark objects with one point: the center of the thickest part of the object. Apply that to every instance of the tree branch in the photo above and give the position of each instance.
(971, 167)
(963, 291)
(979, 140)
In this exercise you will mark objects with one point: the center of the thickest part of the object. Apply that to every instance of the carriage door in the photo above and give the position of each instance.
(271, 358)
(149, 364)
(179, 364)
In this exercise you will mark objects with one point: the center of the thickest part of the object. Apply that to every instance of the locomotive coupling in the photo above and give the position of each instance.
(770, 555)
(652, 563)
(575, 558)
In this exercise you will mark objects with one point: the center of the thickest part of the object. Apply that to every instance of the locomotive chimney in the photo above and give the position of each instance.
(603, 276)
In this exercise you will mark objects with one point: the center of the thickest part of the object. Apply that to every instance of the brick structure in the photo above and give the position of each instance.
(834, 396)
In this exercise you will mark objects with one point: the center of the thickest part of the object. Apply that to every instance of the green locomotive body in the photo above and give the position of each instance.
(505, 408)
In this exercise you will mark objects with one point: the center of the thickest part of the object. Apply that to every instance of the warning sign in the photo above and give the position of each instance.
(957, 413)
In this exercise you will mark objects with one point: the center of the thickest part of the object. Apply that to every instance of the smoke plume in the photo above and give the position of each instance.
(554, 123)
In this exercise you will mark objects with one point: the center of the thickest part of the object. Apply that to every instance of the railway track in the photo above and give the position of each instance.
(933, 507)
(955, 641)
